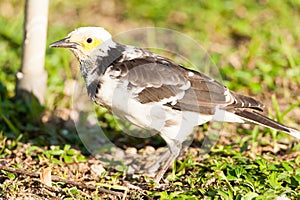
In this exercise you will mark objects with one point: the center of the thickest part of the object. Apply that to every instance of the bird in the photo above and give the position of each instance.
(155, 93)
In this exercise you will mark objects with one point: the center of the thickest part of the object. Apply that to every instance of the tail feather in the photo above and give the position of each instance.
(257, 118)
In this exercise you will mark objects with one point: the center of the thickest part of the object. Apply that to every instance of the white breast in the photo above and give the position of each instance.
(175, 124)
(114, 95)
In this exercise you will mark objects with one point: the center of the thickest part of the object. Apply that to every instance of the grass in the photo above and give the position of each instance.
(255, 45)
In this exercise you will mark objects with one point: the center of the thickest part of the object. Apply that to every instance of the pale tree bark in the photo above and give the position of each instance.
(32, 79)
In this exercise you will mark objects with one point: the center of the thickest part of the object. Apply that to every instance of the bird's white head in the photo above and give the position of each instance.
(82, 41)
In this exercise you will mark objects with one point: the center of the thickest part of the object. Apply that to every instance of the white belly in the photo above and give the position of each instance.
(170, 123)
(115, 96)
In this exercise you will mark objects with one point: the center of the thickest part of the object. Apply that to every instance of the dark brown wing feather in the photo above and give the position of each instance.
(148, 71)
(156, 78)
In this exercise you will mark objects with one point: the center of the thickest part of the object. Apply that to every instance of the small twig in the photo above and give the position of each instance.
(58, 179)
(130, 186)
(49, 188)
(46, 190)
(137, 188)
(19, 171)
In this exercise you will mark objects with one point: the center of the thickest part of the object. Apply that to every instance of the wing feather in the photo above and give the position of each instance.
(153, 78)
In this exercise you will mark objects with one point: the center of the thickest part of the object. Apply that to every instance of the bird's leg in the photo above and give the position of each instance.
(175, 148)
(155, 166)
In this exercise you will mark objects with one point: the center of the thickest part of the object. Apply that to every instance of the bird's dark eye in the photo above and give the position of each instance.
(89, 40)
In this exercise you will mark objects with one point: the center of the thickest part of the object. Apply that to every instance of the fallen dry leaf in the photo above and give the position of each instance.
(46, 177)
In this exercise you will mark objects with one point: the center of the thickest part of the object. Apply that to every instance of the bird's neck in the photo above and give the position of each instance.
(99, 60)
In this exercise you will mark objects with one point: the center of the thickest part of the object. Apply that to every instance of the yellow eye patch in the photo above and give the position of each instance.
(90, 43)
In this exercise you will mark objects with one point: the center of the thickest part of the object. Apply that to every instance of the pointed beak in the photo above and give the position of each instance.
(64, 43)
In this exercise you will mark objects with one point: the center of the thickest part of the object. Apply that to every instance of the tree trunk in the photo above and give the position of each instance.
(32, 79)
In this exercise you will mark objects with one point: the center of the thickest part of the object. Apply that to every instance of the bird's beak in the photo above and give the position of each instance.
(64, 43)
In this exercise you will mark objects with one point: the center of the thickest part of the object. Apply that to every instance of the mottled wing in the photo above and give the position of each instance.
(158, 79)
(206, 94)
(152, 79)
